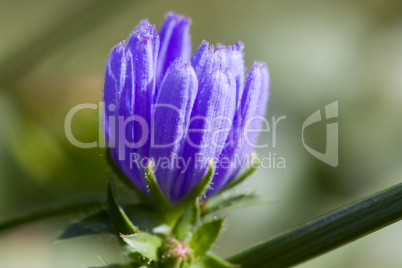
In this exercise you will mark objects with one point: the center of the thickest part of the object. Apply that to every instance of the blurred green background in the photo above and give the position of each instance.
(53, 56)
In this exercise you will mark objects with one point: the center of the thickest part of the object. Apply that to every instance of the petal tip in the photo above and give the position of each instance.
(119, 48)
(239, 46)
(204, 44)
(220, 47)
(147, 34)
(178, 17)
(259, 65)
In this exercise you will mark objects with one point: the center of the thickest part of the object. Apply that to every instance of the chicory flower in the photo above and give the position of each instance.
(179, 110)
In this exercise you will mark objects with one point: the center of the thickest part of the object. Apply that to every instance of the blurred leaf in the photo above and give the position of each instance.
(120, 221)
(228, 200)
(327, 232)
(59, 34)
(187, 222)
(35, 149)
(144, 243)
(62, 208)
(97, 223)
(205, 236)
(212, 261)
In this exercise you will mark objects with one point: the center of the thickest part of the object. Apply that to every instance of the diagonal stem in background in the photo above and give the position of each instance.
(62, 208)
(327, 232)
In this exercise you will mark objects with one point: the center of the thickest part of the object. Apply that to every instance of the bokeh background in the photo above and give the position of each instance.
(53, 56)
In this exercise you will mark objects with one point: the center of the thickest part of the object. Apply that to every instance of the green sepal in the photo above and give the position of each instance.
(229, 200)
(213, 261)
(195, 193)
(187, 223)
(243, 176)
(120, 221)
(117, 171)
(142, 216)
(96, 223)
(144, 243)
(158, 197)
(205, 236)
(136, 258)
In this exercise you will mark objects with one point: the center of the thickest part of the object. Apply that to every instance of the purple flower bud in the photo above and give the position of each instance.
(175, 43)
(180, 111)
(252, 107)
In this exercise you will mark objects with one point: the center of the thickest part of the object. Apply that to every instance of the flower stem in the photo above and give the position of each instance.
(327, 232)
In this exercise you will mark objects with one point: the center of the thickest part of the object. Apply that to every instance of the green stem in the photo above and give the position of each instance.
(55, 210)
(327, 232)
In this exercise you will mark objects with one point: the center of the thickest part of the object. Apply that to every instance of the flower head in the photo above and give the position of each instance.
(182, 111)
